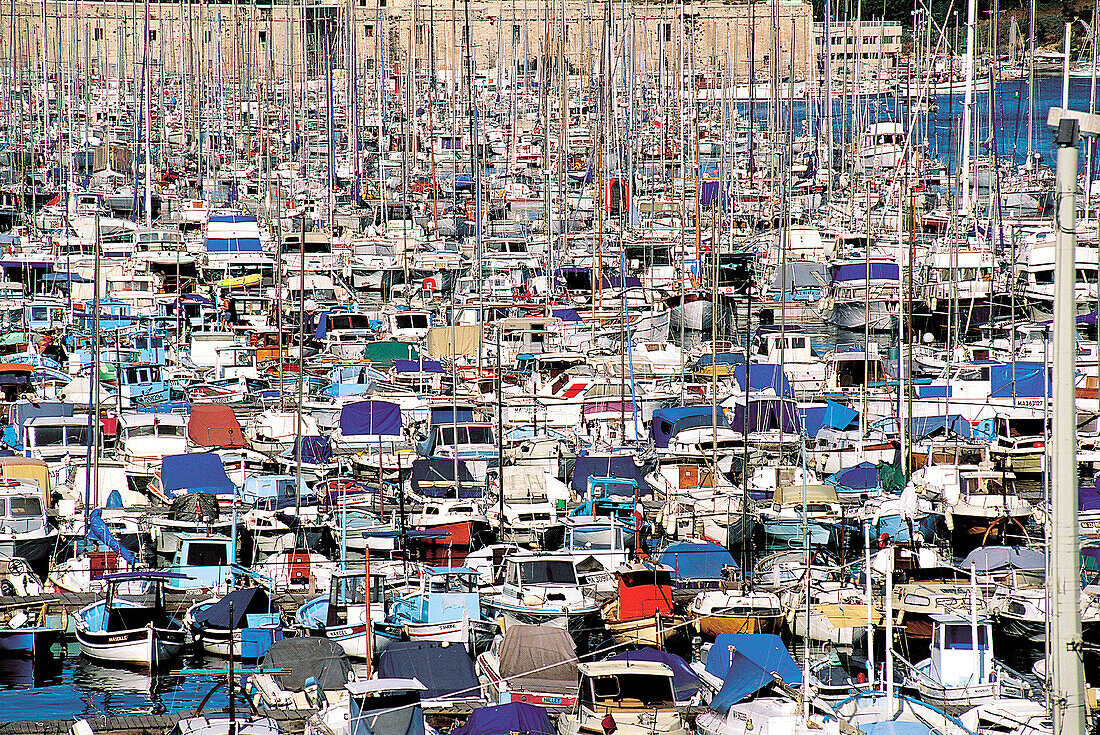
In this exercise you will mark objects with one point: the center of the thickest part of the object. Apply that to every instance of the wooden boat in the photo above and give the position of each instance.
(736, 611)
(122, 631)
(642, 612)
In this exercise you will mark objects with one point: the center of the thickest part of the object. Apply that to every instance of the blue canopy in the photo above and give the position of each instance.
(567, 315)
(1019, 379)
(98, 531)
(621, 466)
(859, 478)
(927, 427)
(745, 662)
(684, 681)
(315, 450)
(198, 472)
(504, 719)
(370, 417)
(668, 422)
(767, 414)
(986, 559)
(450, 415)
(418, 366)
(762, 376)
(878, 270)
(695, 562)
(447, 672)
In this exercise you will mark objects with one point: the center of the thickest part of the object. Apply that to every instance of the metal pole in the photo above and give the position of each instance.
(1067, 680)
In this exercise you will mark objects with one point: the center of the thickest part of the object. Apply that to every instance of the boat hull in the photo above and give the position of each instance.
(147, 647)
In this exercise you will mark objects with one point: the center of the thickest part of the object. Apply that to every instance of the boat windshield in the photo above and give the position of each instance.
(599, 537)
(632, 691)
(28, 507)
(559, 571)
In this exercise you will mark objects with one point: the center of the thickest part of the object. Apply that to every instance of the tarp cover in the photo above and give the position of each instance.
(439, 344)
(197, 472)
(862, 477)
(504, 719)
(767, 414)
(384, 354)
(435, 478)
(418, 366)
(695, 562)
(1019, 379)
(215, 425)
(375, 418)
(620, 466)
(1088, 497)
(668, 422)
(98, 531)
(986, 559)
(447, 672)
(547, 651)
(684, 681)
(308, 656)
(745, 662)
(245, 601)
(763, 376)
(315, 450)
(878, 271)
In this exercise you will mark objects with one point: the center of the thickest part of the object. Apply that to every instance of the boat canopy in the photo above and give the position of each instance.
(384, 354)
(620, 466)
(435, 478)
(792, 494)
(447, 672)
(988, 559)
(305, 657)
(697, 562)
(767, 414)
(215, 425)
(246, 601)
(745, 662)
(197, 472)
(685, 683)
(539, 658)
(373, 418)
(504, 719)
(763, 376)
(668, 422)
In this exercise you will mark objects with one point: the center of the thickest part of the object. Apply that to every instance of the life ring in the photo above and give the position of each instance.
(341, 484)
(429, 284)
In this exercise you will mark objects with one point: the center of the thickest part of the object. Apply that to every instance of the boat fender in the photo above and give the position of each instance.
(429, 284)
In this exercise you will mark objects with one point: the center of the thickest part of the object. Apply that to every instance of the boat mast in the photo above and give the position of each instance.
(968, 105)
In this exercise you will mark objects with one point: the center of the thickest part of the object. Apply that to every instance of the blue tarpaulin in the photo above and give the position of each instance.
(98, 531)
(684, 681)
(504, 719)
(197, 472)
(922, 428)
(695, 562)
(567, 315)
(315, 450)
(667, 422)
(1019, 379)
(441, 415)
(862, 477)
(763, 376)
(745, 662)
(620, 466)
(418, 366)
(767, 415)
(370, 417)
(858, 271)
(322, 326)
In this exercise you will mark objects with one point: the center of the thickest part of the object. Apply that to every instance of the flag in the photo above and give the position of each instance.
(56, 200)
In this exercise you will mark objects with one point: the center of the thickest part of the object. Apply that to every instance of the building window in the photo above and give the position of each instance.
(152, 35)
(515, 33)
(97, 33)
(262, 35)
(206, 36)
(668, 32)
(368, 30)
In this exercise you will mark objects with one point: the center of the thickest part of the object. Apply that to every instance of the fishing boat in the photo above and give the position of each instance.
(643, 611)
(118, 630)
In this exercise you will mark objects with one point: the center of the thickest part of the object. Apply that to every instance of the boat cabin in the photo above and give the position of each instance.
(205, 560)
(346, 599)
(954, 660)
(52, 438)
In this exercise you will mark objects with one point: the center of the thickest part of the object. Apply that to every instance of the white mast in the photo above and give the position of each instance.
(968, 105)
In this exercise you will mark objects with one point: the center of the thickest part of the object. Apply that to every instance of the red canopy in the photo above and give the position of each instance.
(215, 425)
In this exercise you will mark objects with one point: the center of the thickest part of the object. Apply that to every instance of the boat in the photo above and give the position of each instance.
(531, 664)
(629, 697)
(642, 613)
(118, 630)
(240, 622)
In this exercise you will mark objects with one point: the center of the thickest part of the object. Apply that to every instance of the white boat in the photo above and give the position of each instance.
(121, 631)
